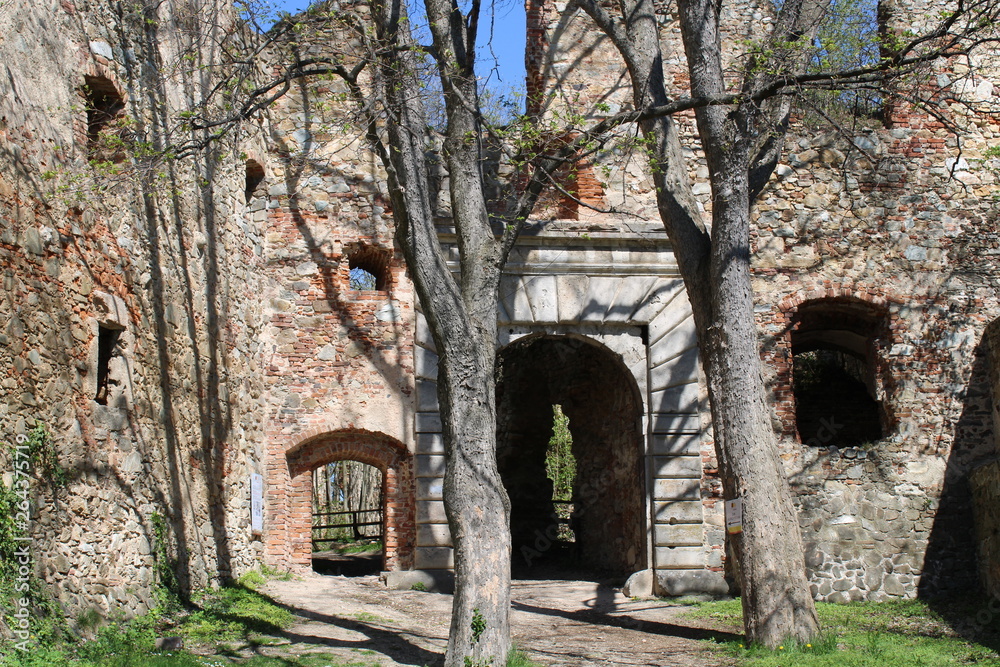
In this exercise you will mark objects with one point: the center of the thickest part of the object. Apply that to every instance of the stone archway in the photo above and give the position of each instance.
(390, 456)
(600, 397)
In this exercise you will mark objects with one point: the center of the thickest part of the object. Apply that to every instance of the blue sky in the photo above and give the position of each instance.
(502, 59)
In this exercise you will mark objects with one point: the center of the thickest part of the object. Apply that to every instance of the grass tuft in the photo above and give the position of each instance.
(233, 613)
(519, 658)
(905, 633)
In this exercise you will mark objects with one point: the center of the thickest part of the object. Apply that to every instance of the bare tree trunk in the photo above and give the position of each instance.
(461, 312)
(777, 604)
(478, 510)
(715, 266)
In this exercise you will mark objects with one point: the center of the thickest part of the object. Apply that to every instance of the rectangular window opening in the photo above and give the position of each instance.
(107, 348)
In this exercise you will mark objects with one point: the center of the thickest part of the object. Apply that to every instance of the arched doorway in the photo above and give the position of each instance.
(600, 529)
(386, 454)
(347, 521)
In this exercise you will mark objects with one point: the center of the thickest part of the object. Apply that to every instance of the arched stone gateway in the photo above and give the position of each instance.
(610, 303)
(602, 401)
(291, 507)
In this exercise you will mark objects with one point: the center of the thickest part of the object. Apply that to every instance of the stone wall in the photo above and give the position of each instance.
(338, 358)
(896, 220)
(919, 245)
(97, 243)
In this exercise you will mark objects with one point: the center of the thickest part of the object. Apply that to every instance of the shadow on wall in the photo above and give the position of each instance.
(337, 294)
(950, 564)
(166, 454)
(168, 222)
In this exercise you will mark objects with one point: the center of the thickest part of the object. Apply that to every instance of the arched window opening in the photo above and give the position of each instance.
(105, 108)
(369, 268)
(835, 374)
(347, 518)
(254, 179)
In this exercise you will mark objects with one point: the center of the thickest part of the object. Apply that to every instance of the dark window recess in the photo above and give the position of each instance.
(255, 176)
(369, 268)
(836, 381)
(104, 107)
(833, 405)
(107, 348)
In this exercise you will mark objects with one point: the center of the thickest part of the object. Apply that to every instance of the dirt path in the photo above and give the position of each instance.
(558, 623)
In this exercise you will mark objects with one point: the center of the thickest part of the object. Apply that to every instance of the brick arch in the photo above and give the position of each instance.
(292, 508)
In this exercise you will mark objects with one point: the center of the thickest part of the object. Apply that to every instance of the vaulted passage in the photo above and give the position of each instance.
(601, 530)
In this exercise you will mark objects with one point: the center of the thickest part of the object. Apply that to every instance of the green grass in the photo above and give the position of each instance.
(233, 616)
(233, 613)
(50, 659)
(358, 548)
(906, 633)
(368, 617)
(519, 658)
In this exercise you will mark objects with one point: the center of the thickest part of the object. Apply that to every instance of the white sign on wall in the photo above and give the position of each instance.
(256, 504)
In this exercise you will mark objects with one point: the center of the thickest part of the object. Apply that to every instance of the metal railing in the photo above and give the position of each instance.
(325, 521)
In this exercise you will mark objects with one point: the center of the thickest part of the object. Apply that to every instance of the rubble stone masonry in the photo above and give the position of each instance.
(159, 259)
(181, 324)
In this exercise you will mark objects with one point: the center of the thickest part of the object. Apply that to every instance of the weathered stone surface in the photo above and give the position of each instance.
(244, 345)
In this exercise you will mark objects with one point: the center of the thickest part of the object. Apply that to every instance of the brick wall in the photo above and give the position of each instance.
(337, 361)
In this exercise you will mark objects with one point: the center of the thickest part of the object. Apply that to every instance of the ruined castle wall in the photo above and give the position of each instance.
(895, 221)
(923, 247)
(576, 77)
(338, 356)
(162, 257)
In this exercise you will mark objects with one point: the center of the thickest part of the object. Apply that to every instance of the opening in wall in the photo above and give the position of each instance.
(254, 179)
(833, 405)
(369, 268)
(837, 381)
(852, 34)
(107, 349)
(105, 106)
(347, 522)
